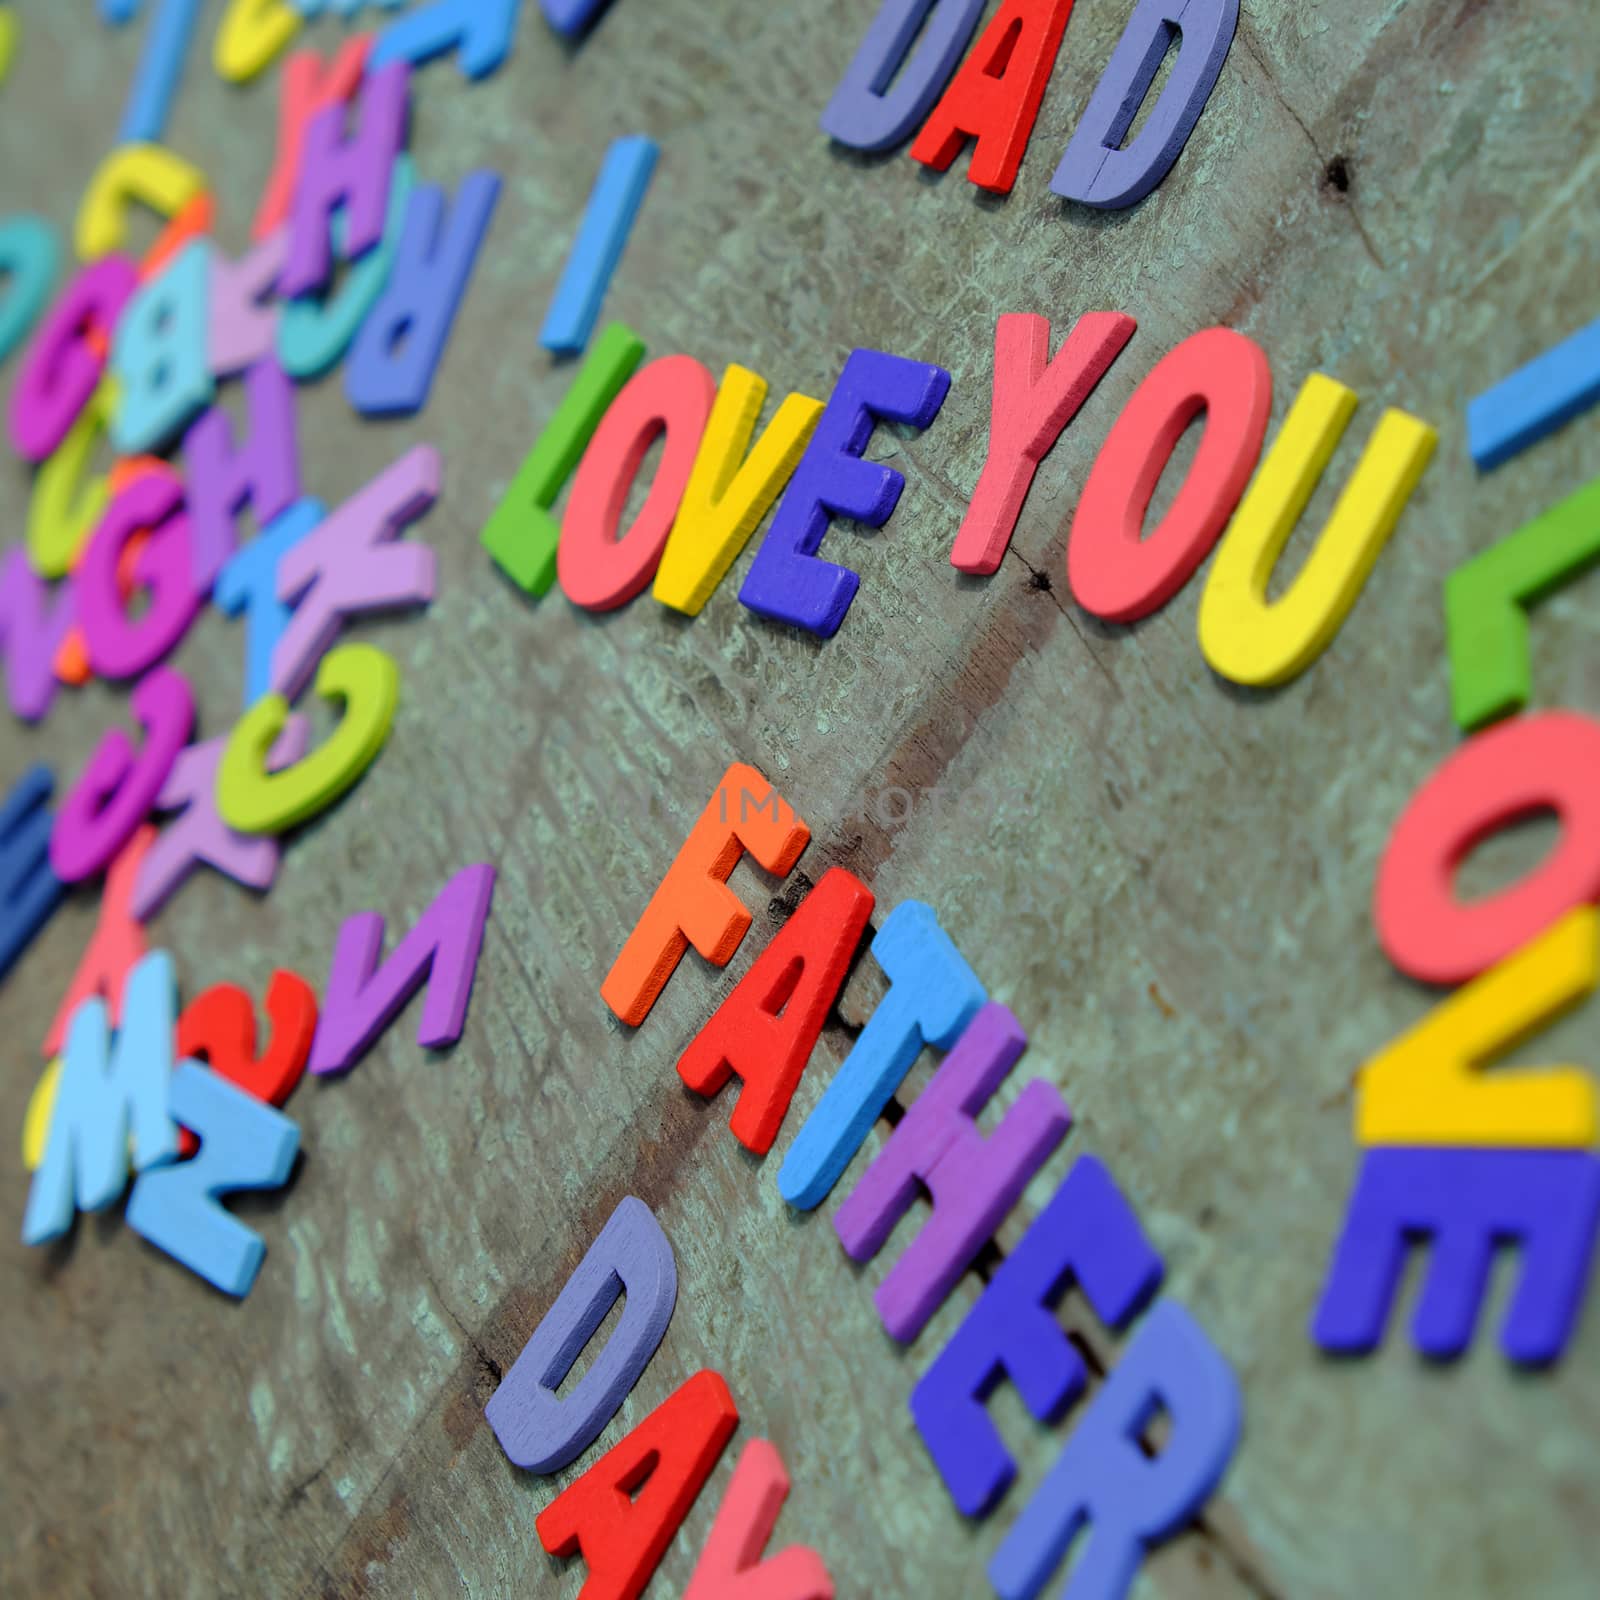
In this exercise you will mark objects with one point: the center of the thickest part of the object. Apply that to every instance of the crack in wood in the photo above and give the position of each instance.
(1325, 165)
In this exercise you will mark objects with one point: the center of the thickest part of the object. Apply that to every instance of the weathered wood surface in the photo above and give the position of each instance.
(1168, 879)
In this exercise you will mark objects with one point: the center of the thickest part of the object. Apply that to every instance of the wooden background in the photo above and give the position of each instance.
(1168, 879)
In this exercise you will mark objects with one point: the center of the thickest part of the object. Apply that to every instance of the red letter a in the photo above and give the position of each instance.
(767, 1028)
(995, 96)
(622, 1513)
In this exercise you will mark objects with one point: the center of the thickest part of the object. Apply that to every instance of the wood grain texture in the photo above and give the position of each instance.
(1168, 882)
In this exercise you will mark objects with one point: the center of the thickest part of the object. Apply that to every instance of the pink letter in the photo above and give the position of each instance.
(730, 1566)
(1032, 403)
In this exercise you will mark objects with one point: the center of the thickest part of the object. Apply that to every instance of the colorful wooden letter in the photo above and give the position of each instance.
(1468, 1203)
(602, 234)
(149, 512)
(115, 792)
(933, 995)
(219, 1028)
(34, 619)
(196, 220)
(159, 354)
(1088, 1234)
(767, 1028)
(29, 890)
(1104, 1482)
(571, 17)
(622, 1513)
(882, 95)
(972, 1181)
(155, 79)
(109, 1088)
(1428, 1086)
(1510, 771)
(1246, 637)
(1486, 601)
(1099, 167)
(306, 92)
(243, 1145)
(199, 837)
(787, 581)
(66, 357)
(600, 567)
(147, 173)
(116, 947)
(1535, 400)
(245, 315)
(29, 257)
(731, 1564)
(401, 341)
(521, 535)
(67, 503)
(631, 1257)
(263, 472)
(355, 561)
(362, 998)
(249, 584)
(1033, 400)
(995, 96)
(694, 904)
(251, 36)
(1116, 570)
(480, 30)
(249, 800)
(731, 486)
(315, 330)
(353, 173)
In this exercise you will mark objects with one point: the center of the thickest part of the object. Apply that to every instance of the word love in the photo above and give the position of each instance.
(1457, 1151)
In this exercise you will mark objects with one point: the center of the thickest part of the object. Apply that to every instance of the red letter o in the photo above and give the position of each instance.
(1545, 762)
(1115, 571)
(598, 569)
